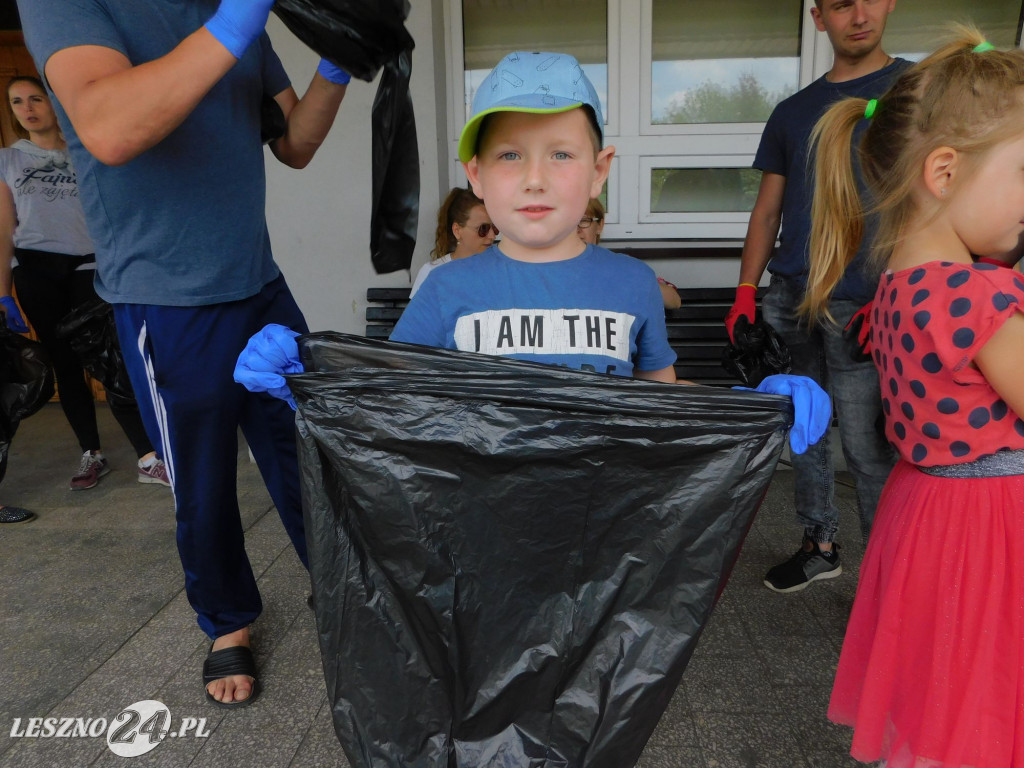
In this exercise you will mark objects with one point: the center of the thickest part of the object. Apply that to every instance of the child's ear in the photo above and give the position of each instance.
(472, 169)
(940, 169)
(602, 166)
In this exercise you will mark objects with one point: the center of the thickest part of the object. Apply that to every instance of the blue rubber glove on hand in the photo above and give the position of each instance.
(237, 23)
(269, 355)
(812, 407)
(13, 315)
(333, 73)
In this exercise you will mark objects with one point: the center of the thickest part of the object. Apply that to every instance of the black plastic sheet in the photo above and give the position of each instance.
(91, 331)
(512, 562)
(756, 352)
(363, 37)
(26, 384)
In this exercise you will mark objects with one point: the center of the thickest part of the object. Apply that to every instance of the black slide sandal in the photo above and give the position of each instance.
(235, 660)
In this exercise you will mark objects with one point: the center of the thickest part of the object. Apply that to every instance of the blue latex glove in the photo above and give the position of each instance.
(237, 23)
(13, 315)
(333, 73)
(269, 355)
(812, 407)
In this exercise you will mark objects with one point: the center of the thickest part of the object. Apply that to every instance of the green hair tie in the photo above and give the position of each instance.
(869, 110)
(985, 46)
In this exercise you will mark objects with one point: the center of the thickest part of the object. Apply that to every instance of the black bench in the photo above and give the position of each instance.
(695, 330)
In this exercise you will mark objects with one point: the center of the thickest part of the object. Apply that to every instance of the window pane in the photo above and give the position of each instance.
(699, 190)
(917, 27)
(723, 61)
(577, 27)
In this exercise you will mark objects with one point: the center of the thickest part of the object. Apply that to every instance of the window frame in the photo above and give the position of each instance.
(640, 144)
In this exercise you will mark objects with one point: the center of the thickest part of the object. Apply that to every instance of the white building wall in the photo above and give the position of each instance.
(319, 217)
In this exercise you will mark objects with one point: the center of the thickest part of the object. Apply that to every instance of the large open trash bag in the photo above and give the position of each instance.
(512, 563)
(363, 37)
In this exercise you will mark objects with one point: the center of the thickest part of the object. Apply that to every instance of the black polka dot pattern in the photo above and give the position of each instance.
(958, 278)
(931, 363)
(929, 323)
(978, 418)
(963, 338)
(960, 307)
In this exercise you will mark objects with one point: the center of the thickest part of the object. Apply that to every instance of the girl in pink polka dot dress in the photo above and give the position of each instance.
(932, 668)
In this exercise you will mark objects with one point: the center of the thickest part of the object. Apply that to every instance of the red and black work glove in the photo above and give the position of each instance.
(857, 334)
(742, 306)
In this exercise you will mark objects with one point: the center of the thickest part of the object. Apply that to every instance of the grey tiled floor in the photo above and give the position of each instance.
(93, 618)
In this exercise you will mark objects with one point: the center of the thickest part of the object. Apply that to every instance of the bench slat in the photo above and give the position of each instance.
(390, 314)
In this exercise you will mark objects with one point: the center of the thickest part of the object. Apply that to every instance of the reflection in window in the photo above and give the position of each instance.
(723, 61)
(918, 27)
(699, 190)
(579, 28)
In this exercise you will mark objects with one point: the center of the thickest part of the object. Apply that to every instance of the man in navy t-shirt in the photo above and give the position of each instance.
(161, 106)
(860, 68)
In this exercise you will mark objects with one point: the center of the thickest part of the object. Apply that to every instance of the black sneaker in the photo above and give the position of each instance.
(9, 514)
(803, 568)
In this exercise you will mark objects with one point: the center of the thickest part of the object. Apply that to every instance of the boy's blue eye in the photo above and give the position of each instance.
(562, 156)
(509, 155)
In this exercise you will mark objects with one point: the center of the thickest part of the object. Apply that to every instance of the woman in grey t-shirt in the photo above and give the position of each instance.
(46, 248)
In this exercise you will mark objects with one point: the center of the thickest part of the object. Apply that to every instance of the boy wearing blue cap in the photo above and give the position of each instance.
(532, 152)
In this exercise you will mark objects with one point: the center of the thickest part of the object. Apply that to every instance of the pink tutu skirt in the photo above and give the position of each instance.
(932, 669)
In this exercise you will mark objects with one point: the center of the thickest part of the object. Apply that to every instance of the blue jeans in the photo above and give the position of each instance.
(822, 354)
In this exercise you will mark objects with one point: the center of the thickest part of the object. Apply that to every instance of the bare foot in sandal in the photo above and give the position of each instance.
(233, 689)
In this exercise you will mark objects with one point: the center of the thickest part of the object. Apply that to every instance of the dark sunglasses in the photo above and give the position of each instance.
(483, 229)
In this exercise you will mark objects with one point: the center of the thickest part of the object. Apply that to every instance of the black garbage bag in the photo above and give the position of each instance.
(363, 37)
(756, 352)
(360, 36)
(91, 331)
(396, 170)
(512, 562)
(26, 384)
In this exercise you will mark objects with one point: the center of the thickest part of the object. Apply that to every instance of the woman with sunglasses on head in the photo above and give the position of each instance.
(45, 247)
(463, 229)
(589, 230)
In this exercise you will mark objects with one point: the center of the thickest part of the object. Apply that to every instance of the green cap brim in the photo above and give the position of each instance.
(467, 141)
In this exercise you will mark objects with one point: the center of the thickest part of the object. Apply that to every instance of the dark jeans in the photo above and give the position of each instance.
(822, 354)
(49, 287)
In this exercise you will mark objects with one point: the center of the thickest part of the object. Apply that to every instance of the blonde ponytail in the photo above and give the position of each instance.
(837, 214)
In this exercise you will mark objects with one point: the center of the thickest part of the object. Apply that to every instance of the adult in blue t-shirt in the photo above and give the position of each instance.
(160, 103)
(860, 68)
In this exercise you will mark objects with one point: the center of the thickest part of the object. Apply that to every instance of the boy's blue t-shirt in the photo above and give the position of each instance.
(783, 151)
(600, 311)
(183, 223)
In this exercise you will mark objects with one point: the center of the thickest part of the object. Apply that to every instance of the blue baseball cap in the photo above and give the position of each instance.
(541, 83)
